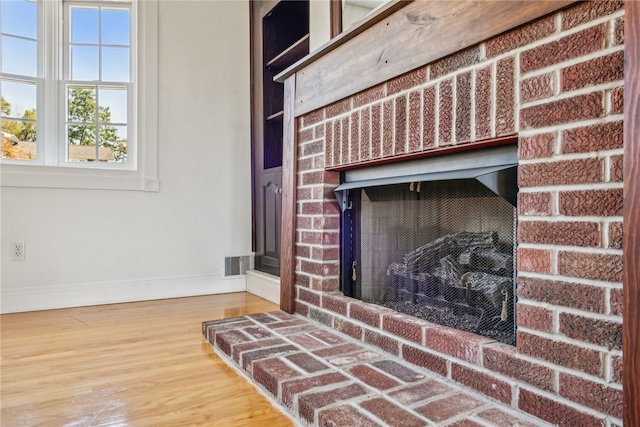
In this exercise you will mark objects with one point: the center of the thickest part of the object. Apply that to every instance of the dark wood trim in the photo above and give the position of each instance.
(289, 200)
(275, 116)
(296, 50)
(335, 12)
(631, 280)
(401, 43)
(505, 140)
(252, 106)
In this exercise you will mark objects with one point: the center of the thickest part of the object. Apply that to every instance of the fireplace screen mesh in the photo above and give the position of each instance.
(440, 251)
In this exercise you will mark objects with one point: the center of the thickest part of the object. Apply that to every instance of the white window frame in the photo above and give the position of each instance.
(51, 170)
(66, 82)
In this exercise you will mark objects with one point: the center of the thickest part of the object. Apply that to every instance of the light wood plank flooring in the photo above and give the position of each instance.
(134, 364)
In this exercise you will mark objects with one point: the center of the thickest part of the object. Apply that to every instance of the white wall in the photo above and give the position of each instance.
(88, 247)
(319, 23)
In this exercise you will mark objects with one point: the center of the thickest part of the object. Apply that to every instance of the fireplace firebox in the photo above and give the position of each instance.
(435, 238)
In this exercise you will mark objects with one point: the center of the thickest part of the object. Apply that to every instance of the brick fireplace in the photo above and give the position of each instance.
(554, 87)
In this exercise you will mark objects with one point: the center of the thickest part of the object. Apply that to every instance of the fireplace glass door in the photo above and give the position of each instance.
(442, 251)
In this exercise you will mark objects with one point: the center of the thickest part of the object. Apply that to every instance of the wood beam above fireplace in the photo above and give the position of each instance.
(417, 34)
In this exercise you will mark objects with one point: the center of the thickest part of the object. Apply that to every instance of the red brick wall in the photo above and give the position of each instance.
(557, 84)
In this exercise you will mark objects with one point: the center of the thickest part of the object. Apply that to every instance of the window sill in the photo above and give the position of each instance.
(75, 178)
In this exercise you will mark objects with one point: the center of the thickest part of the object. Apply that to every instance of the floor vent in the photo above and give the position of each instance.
(236, 265)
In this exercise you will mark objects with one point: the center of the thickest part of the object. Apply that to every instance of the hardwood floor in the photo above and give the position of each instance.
(134, 364)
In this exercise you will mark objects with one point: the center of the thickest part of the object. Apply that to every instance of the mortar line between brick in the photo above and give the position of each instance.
(607, 169)
(473, 101)
(572, 187)
(421, 117)
(494, 96)
(575, 187)
(454, 107)
(554, 261)
(555, 321)
(607, 302)
(318, 261)
(606, 373)
(436, 113)
(559, 219)
(580, 249)
(517, 104)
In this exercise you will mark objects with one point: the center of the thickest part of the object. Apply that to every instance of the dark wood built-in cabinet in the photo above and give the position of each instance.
(279, 38)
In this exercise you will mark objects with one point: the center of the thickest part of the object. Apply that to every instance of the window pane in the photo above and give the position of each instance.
(115, 64)
(19, 56)
(84, 63)
(113, 144)
(81, 106)
(115, 27)
(18, 140)
(19, 98)
(82, 143)
(84, 25)
(20, 18)
(113, 105)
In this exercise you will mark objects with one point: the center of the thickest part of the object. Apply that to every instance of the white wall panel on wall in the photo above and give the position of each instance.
(319, 23)
(133, 245)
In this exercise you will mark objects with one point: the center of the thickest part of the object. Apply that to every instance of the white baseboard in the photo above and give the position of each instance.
(264, 285)
(83, 294)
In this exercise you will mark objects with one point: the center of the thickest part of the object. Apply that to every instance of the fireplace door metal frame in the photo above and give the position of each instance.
(494, 167)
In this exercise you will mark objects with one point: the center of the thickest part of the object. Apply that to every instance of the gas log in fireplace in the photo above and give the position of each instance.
(435, 238)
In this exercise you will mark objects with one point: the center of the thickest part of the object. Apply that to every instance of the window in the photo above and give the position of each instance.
(73, 103)
(20, 83)
(97, 68)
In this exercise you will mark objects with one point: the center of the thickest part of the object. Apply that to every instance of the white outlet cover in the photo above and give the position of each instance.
(18, 252)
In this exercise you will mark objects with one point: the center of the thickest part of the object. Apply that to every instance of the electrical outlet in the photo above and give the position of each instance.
(18, 250)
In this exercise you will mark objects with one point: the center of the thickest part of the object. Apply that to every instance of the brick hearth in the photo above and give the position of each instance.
(326, 378)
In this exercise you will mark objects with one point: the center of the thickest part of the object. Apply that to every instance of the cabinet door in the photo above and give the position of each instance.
(268, 259)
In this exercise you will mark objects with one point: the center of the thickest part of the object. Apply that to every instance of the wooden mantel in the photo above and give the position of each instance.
(405, 35)
(401, 37)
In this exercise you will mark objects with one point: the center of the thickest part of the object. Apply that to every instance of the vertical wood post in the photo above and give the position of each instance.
(631, 280)
(289, 198)
(335, 13)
